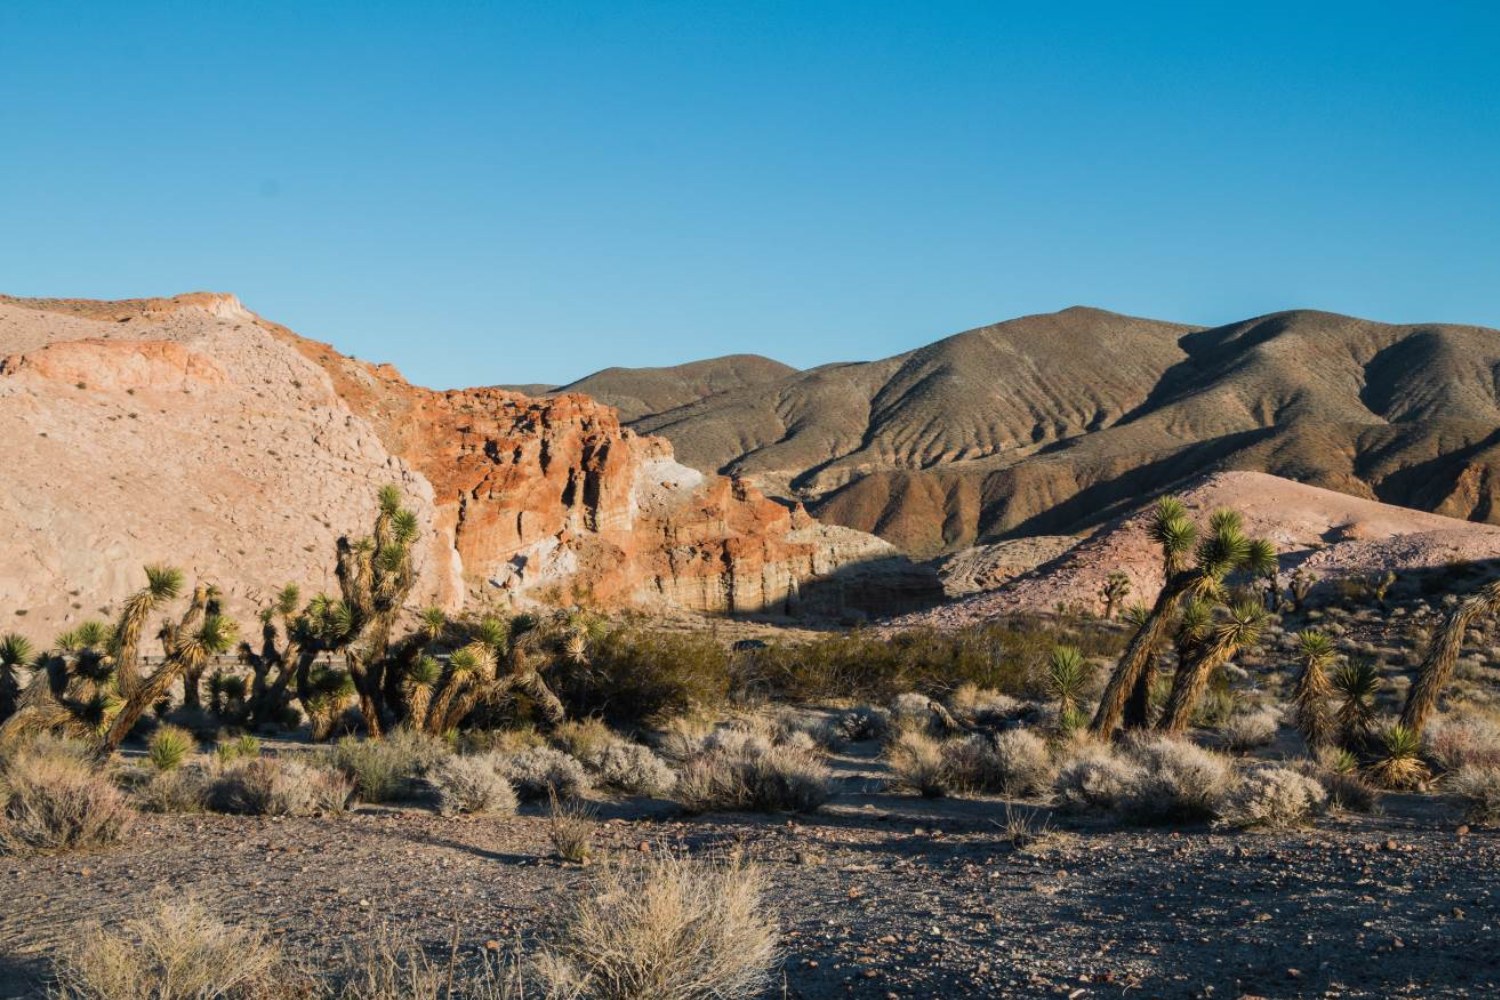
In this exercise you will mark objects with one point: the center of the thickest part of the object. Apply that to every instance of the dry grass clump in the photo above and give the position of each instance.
(470, 785)
(913, 713)
(570, 827)
(1471, 742)
(388, 769)
(981, 706)
(179, 951)
(1095, 778)
(1273, 798)
(1177, 782)
(754, 778)
(670, 930)
(541, 772)
(918, 764)
(1250, 730)
(390, 968)
(52, 799)
(169, 747)
(184, 790)
(1478, 788)
(1014, 762)
(279, 786)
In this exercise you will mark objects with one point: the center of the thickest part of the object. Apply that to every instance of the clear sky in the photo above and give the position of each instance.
(498, 192)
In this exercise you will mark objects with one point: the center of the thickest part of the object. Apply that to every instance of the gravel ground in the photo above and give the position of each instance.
(878, 895)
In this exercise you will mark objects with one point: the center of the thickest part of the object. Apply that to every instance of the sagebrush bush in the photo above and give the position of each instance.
(1177, 782)
(632, 769)
(669, 930)
(1095, 778)
(178, 951)
(277, 786)
(1250, 730)
(388, 769)
(540, 772)
(1473, 742)
(470, 785)
(184, 790)
(1273, 798)
(1013, 762)
(776, 779)
(1478, 789)
(169, 746)
(981, 706)
(52, 800)
(919, 764)
(911, 712)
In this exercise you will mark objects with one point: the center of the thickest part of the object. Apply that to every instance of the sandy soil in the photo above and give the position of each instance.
(879, 895)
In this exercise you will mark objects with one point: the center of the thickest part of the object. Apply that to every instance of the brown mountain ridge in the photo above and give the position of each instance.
(1053, 423)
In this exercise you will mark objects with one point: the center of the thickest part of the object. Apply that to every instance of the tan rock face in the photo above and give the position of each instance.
(191, 431)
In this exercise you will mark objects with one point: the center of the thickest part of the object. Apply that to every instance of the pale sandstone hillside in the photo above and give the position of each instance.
(639, 392)
(191, 431)
(1333, 535)
(1051, 424)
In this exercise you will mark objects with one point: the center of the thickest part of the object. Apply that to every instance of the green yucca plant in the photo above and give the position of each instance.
(169, 746)
(1356, 683)
(1400, 764)
(16, 653)
(1067, 674)
(245, 747)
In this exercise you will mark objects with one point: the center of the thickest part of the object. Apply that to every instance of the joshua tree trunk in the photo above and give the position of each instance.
(1139, 653)
(1442, 655)
(1188, 686)
(1138, 708)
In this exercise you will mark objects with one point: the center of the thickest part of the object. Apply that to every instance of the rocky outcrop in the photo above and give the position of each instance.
(190, 430)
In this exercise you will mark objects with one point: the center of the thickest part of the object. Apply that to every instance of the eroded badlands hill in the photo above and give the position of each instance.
(191, 431)
(1332, 535)
(1050, 424)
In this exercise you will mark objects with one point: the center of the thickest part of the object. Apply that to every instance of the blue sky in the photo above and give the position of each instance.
(494, 192)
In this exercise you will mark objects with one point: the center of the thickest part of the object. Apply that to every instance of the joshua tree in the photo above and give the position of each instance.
(1240, 628)
(15, 655)
(1225, 549)
(1310, 697)
(1115, 589)
(375, 576)
(163, 584)
(1270, 579)
(1442, 656)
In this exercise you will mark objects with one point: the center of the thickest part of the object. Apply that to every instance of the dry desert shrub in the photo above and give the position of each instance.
(1471, 742)
(277, 786)
(912, 712)
(51, 799)
(1338, 772)
(754, 779)
(919, 764)
(1095, 778)
(184, 790)
(470, 785)
(179, 951)
(390, 968)
(570, 828)
(866, 722)
(671, 929)
(388, 769)
(1013, 762)
(1273, 798)
(1478, 788)
(584, 738)
(541, 772)
(1177, 782)
(615, 763)
(981, 706)
(1250, 730)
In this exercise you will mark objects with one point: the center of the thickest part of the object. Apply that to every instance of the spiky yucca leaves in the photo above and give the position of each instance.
(1355, 683)
(1240, 628)
(1310, 712)
(418, 682)
(1437, 666)
(163, 584)
(434, 621)
(1115, 589)
(16, 654)
(1400, 764)
(1223, 550)
(1067, 673)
